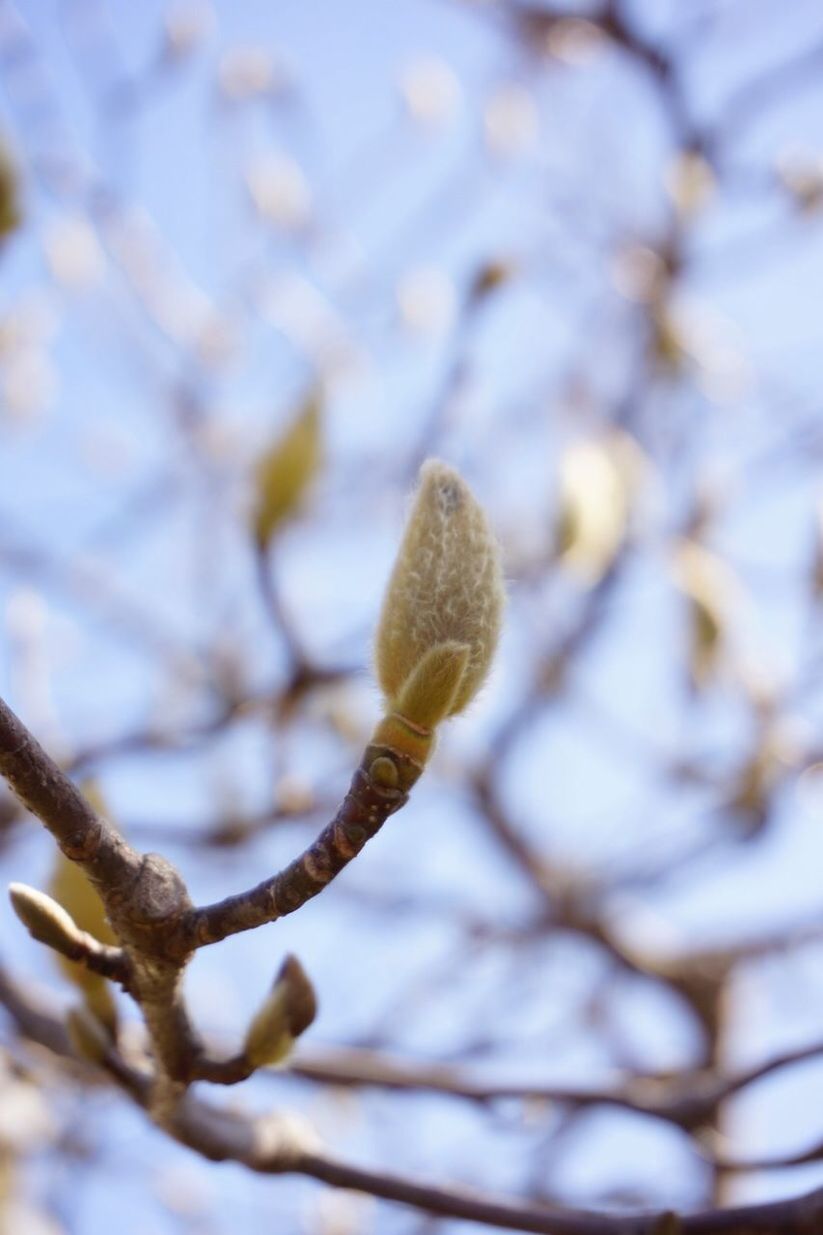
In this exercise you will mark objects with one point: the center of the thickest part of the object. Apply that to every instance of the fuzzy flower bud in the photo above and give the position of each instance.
(443, 607)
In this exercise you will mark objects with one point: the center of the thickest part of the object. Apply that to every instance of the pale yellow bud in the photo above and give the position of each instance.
(289, 1010)
(44, 919)
(443, 607)
(714, 597)
(597, 490)
(285, 472)
(690, 182)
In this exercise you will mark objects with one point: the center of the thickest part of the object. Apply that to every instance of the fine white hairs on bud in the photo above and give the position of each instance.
(443, 607)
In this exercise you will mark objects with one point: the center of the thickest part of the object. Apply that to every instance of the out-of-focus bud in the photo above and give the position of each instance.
(511, 120)
(430, 91)
(185, 28)
(287, 1012)
(285, 471)
(774, 756)
(88, 1035)
(669, 342)
(427, 300)
(71, 888)
(713, 594)
(44, 919)
(574, 40)
(599, 479)
(639, 273)
(802, 178)
(443, 607)
(73, 253)
(279, 191)
(689, 337)
(690, 183)
(489, 277)
(10, 216)
(249, 72)
(294, 796)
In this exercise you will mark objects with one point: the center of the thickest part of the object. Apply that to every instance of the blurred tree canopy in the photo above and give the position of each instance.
(258, 264)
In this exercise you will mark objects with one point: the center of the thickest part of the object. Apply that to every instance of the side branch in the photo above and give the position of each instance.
(801, 1215)
(82, 834)
(380, 787)
(276, 1144)
(687, 1100)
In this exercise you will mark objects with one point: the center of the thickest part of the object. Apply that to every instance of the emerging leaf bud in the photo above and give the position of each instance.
(45, 920)
(289, 1010)
(430, 692)
(443, 607)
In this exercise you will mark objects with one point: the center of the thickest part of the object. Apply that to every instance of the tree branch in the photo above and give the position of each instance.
(365, 808)
(277, 1144)
(687, 1099)
(85, 837)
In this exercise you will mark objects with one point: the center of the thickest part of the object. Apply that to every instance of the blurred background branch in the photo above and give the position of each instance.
(254, 270)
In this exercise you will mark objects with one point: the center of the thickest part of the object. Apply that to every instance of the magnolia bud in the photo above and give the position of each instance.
(713, 594)
(443, 607)
(285, 472)
(289, 1010)
(430, 692)
(45, 920)
(599, 483)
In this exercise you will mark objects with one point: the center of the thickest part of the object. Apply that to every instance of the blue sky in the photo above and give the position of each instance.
(127, 574)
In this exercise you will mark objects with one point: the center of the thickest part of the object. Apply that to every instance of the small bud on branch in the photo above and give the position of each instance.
(437, 635)
(287, 1012)
(46, 920)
